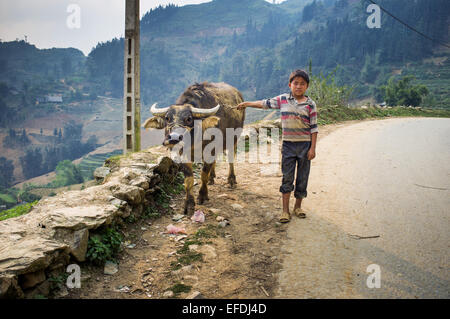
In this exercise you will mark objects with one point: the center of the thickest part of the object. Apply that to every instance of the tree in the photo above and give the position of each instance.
(403, 92)
(31, 163)
(6, 172)
(66, 65)
(67, 173)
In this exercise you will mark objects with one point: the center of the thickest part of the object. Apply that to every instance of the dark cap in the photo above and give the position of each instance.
(300, 73)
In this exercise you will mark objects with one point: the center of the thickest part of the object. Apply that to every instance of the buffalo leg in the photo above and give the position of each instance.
(212, 174)
(231, 176)
(203, 194)
(189, 204)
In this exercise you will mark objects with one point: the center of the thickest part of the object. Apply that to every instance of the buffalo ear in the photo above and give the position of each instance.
(210, 121)
(154, 122)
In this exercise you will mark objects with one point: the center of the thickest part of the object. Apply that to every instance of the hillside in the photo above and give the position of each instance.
(254, 45)
(21, 62)
(251, 44)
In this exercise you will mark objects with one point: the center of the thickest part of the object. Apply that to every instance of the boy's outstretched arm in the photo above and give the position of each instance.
(255, 104)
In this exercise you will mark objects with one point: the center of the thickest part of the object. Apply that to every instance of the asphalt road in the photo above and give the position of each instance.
(387, 179)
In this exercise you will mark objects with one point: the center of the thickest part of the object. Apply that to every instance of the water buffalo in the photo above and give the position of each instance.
(212, 103)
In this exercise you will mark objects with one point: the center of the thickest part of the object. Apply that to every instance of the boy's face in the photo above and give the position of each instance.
(298, 86)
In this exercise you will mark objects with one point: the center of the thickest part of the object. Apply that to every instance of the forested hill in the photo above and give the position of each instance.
(21, 62)
(253, 45)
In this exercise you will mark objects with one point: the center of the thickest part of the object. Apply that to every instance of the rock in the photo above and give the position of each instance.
(30, 254)
(214, 210)
(164, 164)
(124, 289)
(132, 194)
(141, 182)
(183, 270)
(9, 287)
(208, 251)
(180, 237)
(100, 173)
(63, 292)
(76, 218)
(32, 279)
(79, 244)
(118, 203)
(110, 268)
(155, 180)
(168, 294)
(237, 206)
(195, 295)
(187, 268)
(223, 223)
(191, 278)
(220, 218)
(193, 247)
(128, 174)
(131, 246)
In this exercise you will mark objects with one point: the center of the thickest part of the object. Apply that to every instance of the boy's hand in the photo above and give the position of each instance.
(241, 106)
(311, 154)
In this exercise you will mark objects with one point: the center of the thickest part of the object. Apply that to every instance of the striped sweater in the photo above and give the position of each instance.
(298, 120)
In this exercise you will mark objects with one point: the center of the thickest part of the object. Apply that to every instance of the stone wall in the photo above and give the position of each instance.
(40, 244)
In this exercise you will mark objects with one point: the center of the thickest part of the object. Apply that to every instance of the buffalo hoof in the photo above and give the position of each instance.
(189, 206)
(189, 210)
(202, 198)
(232, 182)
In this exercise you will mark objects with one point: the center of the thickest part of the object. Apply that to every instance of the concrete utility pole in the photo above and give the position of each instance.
(132, 85)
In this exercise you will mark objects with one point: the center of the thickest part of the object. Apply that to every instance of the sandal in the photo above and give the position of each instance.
(299, 213)
(285, 217)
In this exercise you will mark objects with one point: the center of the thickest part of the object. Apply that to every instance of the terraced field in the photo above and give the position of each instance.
(435, 76)
(91, 162)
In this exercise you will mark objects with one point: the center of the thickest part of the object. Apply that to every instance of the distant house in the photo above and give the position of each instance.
(53, 98)
(50, 98)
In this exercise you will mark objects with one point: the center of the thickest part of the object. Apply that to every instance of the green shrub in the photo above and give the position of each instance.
(104, 246)
(58, 281)
(179, 288)
(151, 213)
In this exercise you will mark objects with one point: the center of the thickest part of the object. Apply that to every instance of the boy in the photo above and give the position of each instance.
(299, 123)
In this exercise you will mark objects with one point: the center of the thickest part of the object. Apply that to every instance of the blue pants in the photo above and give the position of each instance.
(295, 154)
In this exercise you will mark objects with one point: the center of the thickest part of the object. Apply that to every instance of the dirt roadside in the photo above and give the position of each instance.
(241, 260)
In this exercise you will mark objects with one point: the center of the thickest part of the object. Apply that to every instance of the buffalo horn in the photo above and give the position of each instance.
(199, 113)
(158, 112)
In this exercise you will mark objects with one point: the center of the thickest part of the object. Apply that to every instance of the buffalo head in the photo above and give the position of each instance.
(178, 121)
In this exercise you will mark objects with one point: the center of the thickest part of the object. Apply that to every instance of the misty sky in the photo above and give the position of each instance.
(44, 22)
